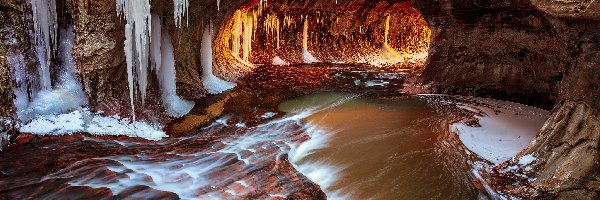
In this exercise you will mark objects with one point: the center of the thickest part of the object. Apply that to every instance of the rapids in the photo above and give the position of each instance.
(354, 147)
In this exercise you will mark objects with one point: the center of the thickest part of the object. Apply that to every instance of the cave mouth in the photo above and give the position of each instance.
(390, 36)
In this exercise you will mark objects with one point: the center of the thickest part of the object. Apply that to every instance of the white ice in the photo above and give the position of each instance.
(85, 121)
(212, 84)
(162, 56)
(306, 55)
(278, 61)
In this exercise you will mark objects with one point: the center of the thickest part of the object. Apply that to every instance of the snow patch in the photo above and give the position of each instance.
(527, 159)
(85, 121)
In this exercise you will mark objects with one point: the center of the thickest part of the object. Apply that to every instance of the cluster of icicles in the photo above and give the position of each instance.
(147, 41)
(245, 26)
(244, 29)
(59, 106)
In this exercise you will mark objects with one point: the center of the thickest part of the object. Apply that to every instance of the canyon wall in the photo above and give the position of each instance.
(541, 53)
(568, 146)
(14, 50)
(498, 49)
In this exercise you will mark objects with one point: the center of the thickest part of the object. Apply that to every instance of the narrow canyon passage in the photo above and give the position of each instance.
(298, 99)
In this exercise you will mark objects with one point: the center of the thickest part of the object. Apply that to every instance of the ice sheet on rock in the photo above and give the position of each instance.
(85, 121)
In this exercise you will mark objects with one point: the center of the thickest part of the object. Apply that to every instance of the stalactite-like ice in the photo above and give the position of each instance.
(137, 14)
(306, 55)
(272, 27)
(236, 34)
(241, 36)
(155, 53)
(180, 8)
(162, 55)
(65, 97)
(130, 61)
(44, 22)
(388, 51)
(62, 109)
(212, 84)
(247, 37)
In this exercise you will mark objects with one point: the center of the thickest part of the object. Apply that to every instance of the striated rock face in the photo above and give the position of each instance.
(568, 145)
(569, 8)
(507, 51)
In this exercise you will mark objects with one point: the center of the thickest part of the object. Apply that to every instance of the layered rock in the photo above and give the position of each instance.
(568, 146)
(503, 50)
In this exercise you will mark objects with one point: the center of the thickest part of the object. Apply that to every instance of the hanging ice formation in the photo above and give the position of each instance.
(137, 41)
(241, 36)
(62, 110)
(44, 22)
(180, 8)
(66, 96)
(306, 55)
(212, 84)
(162, 57)
(272, 27)
(388, 51)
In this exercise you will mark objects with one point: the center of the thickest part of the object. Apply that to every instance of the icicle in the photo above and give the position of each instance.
(218, 5)
(44, 21)
(180, 8)
(212, 84)
(387, 31)
(306, 55)
(155, 52)
(166, 73)
(129, 60)
(388, 51)
(247, 37)
(272, 26)
(236, 34)
(137, 13)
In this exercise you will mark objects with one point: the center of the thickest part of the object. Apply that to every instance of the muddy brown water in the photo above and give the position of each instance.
(394, 149)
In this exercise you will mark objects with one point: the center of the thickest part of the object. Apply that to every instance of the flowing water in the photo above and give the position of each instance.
(352, 146)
